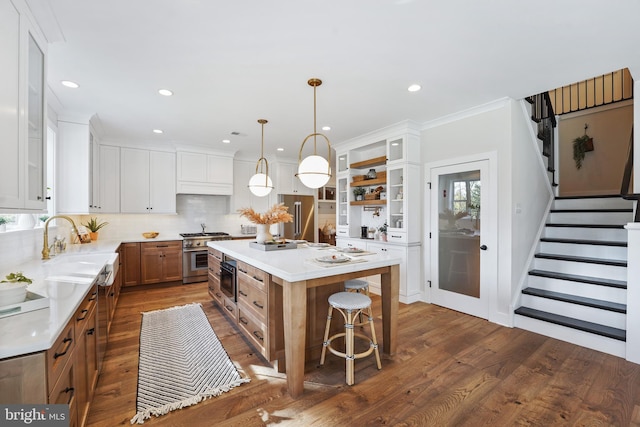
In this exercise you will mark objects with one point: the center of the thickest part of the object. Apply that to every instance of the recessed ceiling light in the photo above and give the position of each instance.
(69, 83)
(280, 149)
(226, 141)
(414, 88)
(165, 92)
(326, 127)
(158, 131)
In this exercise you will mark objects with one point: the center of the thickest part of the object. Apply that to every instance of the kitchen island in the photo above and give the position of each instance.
(296, 271)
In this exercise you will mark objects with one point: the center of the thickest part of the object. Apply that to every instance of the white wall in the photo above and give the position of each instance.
(498, 127)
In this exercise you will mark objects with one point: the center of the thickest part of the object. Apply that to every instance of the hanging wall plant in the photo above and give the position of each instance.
(582, 145)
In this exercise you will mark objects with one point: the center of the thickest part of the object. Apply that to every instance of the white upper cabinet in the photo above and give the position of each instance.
(202, 173)
(147, 181)
(288, 183)
(22, 112)
(77, 155)
(109, 182)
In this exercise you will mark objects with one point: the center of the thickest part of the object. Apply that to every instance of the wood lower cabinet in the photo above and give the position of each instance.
(160, 262)
(130, 263)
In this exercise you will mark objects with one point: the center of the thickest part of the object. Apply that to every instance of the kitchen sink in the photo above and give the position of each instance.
(82, 268)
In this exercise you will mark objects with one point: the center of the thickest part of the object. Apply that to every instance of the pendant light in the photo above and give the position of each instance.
(260, 184)
(314, 171)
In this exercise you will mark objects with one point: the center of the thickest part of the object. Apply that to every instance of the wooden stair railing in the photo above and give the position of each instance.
(542, 113)
(626, 179)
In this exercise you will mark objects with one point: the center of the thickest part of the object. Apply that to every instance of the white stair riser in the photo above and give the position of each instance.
(575, 311)
(593, 203)
(584, 339)
(581, 268)
(592, 251)
(615, 235)
(587, 290)
(590, 217)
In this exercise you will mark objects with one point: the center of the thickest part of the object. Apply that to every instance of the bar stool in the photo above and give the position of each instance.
(359, 286)
(349, 304)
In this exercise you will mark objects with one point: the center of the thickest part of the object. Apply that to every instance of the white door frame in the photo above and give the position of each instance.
(489, 227)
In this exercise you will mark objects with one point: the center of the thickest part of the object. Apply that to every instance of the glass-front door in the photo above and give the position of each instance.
(461, 256)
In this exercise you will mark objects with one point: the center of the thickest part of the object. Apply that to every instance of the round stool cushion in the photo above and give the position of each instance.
(349, 301)
(356, 284)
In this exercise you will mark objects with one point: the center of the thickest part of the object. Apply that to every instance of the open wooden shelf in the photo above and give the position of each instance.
(369, 163)
(369, 182)
(368, 202)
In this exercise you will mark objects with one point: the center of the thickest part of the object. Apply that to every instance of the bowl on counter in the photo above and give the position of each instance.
(12, 293)
(150, 234)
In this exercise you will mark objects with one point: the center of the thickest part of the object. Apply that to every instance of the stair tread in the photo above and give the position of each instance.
(595, 328)
(620, 210)
(611, 226)
(575, 299)
(584, 241)
(581, 279)
(602, 261)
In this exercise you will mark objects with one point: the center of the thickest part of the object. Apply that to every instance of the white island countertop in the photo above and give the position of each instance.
(295, 265)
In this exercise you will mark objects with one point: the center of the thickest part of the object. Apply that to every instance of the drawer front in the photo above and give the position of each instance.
(215, 254)
(214, 289)
(214, 266)
(63, 392)
(255, 330)
(229, 308)
(252, 275)
(164, 245)
(397, 236)
(83, 312)
(60, 352)
(255, 299)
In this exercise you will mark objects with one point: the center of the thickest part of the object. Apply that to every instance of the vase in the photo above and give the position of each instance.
(26, 222)
(93, 235)
(384, 237)
(263, 233)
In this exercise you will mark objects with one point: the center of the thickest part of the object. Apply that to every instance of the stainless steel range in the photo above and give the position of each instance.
(194, 254)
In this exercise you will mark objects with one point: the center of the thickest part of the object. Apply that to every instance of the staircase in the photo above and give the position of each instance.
(576, 290)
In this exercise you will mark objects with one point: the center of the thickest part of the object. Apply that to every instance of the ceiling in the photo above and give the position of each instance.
(232, 63)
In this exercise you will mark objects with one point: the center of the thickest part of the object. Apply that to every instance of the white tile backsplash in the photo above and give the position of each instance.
(17, 247)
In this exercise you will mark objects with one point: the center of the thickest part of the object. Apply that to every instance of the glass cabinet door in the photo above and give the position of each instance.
(36, 127)
(343, 162)
(343, 202)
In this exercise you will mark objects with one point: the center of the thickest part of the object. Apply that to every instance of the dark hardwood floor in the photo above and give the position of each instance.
(451, 369)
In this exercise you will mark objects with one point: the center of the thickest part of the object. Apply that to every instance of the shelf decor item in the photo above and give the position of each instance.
(359, 192)
(93, 226)
(372, 174)
(276, 214)
(582, 145)
(383, 231)
(314, 171)
(260, 184)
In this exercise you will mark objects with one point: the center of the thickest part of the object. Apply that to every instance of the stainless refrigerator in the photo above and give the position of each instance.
(304, 220)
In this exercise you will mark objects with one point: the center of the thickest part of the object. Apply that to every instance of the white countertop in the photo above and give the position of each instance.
(37, 330)
(295, 265)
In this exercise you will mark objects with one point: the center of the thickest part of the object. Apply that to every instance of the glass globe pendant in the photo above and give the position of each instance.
(260, 184)
(314, 171)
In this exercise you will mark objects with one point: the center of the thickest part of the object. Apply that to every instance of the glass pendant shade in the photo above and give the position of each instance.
(260, 184)
(314, 171)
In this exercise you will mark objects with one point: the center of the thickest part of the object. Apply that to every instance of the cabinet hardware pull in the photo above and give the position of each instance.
(162, 246)
(91, 331)
(93, 297)
(67, 390)
(85, 311)
(257, 334)
(218, 295)
(396, 237)
(258, 305)
(218, 258)
(258, 279)
(242, 293)
(112, 294)
(67, 341)
(243, 271)
(229, 308)
(244, 321)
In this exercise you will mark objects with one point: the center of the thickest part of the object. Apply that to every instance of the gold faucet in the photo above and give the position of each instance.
(45, 248)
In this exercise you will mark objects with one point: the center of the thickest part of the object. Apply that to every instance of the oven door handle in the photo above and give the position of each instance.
(203, 249)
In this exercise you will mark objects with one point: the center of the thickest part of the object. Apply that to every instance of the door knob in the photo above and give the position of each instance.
(483, 247)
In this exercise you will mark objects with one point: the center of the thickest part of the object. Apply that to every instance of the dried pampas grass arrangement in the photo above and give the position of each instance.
(277, 213)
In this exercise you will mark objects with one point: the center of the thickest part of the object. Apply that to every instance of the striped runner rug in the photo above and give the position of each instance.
(182, 362)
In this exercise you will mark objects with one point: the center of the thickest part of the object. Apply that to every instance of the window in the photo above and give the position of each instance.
(466, 196)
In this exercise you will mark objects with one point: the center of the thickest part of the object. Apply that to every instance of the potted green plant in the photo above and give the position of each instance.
(581, 145)
(93, 226)
(359, 192)
(43, 218)
(383, 231)
(3, 224)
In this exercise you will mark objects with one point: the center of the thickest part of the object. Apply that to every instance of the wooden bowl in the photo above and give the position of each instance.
(150, 234)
